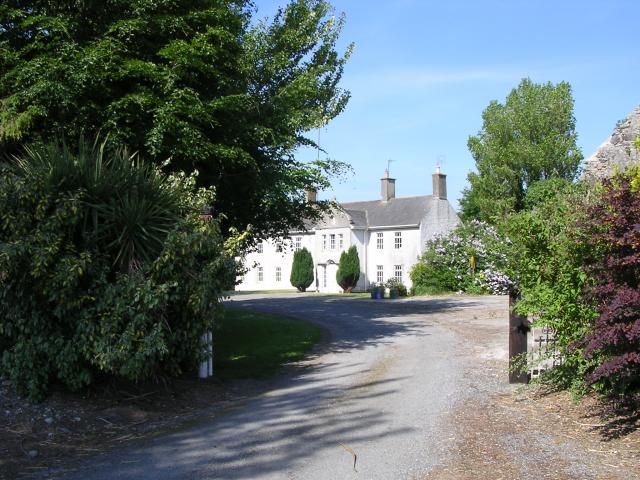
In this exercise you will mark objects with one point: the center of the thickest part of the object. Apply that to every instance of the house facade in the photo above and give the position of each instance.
(389, 234)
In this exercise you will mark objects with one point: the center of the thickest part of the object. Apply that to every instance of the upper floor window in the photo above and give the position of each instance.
(340, 241)
(260, 248)
(398, 240)
(379, 273)
(297, 243)
(332, 241)
(397, 272)
(278, 274)
(379, 241)
(260, 274)
(324, 242)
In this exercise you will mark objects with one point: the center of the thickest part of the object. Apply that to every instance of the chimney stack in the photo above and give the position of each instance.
(439, 184)
(310, 196)
(388, 187)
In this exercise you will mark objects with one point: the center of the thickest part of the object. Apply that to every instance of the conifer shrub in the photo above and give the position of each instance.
(348, 272)
(106, 270)
(302, 270)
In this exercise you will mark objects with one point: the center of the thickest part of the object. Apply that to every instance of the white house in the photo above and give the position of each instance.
(389, 233)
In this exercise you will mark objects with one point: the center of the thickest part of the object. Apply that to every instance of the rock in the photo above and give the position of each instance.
(32, 453)
(64, 430)
(76, 419)
(48, 420)
(619, 149)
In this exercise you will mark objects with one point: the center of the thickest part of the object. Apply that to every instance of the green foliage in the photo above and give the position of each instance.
(613, 344)
(194, 81)
(531, 137)
(128, 207)
(70, 311)
(348, 272)
(397, 285)
(256, 345)
(548, 257)
(302, 270)
(472, 259)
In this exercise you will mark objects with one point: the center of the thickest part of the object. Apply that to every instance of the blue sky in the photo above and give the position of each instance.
(423, 71)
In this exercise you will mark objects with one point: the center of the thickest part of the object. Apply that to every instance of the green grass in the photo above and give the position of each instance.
(348, 295)
(256, 345)
(251, 292)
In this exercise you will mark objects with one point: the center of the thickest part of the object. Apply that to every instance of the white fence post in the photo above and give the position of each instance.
(206, 367)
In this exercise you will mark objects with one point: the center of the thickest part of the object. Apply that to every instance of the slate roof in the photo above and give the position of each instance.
(405, 211)
(395, 211)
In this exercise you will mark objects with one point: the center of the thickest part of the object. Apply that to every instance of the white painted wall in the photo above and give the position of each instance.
(390, 256)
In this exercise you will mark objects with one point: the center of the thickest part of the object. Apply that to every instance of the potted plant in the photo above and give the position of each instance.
(377, 291)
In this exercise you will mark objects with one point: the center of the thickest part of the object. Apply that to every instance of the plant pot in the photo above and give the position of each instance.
(393, 293)
(379, 294)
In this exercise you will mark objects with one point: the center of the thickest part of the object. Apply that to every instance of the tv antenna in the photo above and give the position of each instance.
(389, 160)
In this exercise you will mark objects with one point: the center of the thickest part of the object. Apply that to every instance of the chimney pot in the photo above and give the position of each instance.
(387, 187)
(439, 184)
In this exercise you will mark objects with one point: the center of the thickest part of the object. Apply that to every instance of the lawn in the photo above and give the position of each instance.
(256, 345)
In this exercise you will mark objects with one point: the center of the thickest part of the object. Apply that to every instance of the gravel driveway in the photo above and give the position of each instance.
(384, 397)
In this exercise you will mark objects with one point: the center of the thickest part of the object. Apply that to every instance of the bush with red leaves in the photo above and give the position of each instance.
(614, 341)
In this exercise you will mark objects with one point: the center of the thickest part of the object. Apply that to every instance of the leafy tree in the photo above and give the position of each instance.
(531, 137)
(614, 341)
(194, 83)
(302, 274)
(348, 272)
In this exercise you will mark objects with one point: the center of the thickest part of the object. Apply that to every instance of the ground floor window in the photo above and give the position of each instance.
(260, 274)
(380, 274)
(278, 274)
(397, 272)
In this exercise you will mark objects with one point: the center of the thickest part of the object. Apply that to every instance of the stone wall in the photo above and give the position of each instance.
(619, 149)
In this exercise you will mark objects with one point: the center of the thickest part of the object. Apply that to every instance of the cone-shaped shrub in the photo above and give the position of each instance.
(348, 270)
(302, 270)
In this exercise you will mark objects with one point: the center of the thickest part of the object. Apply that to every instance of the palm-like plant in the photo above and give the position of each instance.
(129, 208)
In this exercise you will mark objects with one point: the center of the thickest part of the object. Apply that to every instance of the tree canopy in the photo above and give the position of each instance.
(193, 84)
(529, 138)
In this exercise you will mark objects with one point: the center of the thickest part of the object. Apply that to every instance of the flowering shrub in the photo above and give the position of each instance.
(471, 259)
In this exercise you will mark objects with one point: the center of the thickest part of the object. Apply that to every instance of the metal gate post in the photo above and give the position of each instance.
(518, 328)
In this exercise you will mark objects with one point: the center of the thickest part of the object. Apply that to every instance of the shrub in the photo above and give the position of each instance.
(83, 295)
(546, 259)
(348, 272)
(472, 259)
(302, 270)
(394, 283)
(614, 341)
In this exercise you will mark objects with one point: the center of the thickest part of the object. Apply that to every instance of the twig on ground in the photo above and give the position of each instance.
(350, 450)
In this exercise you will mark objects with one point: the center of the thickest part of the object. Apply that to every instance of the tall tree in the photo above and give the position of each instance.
(302, 270)
(531, 137)
(193, 83)
(348, 272)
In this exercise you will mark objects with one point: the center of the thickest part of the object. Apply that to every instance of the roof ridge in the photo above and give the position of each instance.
(381, 201)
